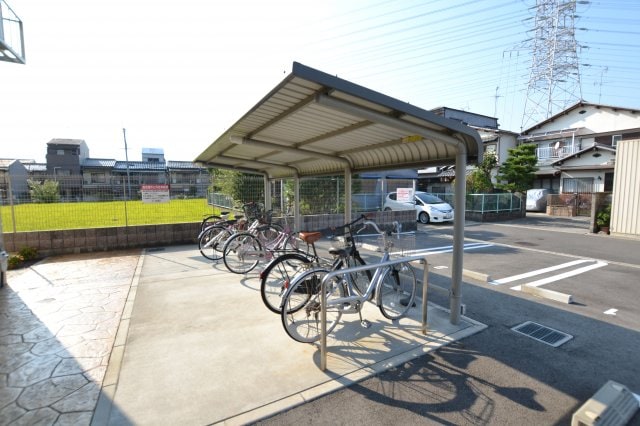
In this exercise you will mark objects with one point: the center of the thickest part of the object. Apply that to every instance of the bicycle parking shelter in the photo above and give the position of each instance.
(315, 124)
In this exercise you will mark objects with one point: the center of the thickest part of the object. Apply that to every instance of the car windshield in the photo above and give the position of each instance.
(429, 199)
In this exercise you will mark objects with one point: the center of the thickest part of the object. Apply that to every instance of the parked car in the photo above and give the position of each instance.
(429, 208)
(537, 199)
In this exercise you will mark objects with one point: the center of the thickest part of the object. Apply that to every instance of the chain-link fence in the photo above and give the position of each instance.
(77, 202)
(71, 202)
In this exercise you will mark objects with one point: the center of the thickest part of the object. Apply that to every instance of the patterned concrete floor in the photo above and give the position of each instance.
(58, 324)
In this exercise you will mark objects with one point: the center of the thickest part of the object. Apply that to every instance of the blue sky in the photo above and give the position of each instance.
(177, 74)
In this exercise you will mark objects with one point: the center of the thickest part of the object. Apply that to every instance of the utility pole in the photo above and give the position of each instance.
(554, 78)
(126, 156)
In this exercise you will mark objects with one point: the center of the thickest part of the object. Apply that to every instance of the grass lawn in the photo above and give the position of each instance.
(59, 216)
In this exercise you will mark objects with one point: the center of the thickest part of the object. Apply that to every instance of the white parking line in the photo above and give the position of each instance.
(578, 271)
(443, 249)
(538, 272)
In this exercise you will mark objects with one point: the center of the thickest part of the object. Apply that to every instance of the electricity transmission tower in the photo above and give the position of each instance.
(554, 78)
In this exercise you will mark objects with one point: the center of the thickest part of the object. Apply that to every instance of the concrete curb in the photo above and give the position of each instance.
(476, 275)
(104, 405)
(547, 294)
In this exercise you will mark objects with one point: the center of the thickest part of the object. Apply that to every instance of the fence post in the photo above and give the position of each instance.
(12, 204)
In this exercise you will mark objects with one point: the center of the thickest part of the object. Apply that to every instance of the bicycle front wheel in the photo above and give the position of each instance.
(242, 253)
(211, 241)
(397, 290)
(301, 308)
(276, 277)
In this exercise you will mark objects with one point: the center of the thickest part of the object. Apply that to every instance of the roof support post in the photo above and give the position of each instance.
(347, 194)
(460, 184)
(296, 202)
(460, 187)
(267, 193)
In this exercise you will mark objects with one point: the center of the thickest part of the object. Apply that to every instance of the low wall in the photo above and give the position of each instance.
(50, 243)
(102, 239)
(494, 216)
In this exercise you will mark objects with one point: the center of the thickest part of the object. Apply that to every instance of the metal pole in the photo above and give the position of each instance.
(323, 325)
(458, 235)
(425, 285)
(11, 203)
(126, 156)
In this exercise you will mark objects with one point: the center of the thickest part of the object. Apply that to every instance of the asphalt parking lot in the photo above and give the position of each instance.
(499, 376)
(55, 359)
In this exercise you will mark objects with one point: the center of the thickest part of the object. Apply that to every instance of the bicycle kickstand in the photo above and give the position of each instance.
(363, 322)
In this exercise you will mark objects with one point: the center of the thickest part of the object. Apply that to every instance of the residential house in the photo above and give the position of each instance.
(573, 131)
(64, 160)
(494, 140)
(97, 179)
(13, 180)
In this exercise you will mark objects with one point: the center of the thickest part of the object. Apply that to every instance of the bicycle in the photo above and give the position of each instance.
(243, 251)
(214, 219)
(212, 239)
(393, 288)
(278, 274)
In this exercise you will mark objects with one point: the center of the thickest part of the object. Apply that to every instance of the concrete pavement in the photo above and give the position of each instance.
(164, 337)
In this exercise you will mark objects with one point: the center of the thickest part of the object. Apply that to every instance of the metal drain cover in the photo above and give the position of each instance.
(542, 333)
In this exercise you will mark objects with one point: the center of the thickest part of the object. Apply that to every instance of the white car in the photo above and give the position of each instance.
(429, 208)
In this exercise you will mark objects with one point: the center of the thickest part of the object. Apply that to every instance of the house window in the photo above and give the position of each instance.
(608, 182)
(615, 139)
(60, 151)
(579, 185)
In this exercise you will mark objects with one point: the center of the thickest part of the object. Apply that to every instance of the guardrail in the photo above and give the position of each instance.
(330, 275)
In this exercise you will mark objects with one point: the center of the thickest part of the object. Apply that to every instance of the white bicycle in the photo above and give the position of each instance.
(392, 288)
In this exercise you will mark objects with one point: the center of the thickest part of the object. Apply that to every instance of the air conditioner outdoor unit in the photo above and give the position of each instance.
(613, 404)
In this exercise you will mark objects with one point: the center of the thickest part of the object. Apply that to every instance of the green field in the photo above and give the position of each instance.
(59, 216)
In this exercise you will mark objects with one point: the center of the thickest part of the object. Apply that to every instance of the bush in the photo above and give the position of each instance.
(25, 254)
(15, 261)
(28, 253)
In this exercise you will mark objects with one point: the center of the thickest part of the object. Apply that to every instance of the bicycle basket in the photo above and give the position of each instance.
(400, 245)
(253, 211)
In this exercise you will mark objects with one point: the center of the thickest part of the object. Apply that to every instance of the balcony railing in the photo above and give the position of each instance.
(11, 35)
(549, 154)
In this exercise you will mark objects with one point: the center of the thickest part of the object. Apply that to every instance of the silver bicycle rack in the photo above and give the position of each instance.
(330, 275)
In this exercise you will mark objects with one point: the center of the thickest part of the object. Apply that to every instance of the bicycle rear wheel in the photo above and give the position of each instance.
(211, 241)
(276, 277)
(301, 308)
(397, 291)
(242, 253)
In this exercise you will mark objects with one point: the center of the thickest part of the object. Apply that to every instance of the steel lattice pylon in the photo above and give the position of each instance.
(554, 79)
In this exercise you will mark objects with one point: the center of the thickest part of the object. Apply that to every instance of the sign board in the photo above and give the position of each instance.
(155, 193)
(405, 195)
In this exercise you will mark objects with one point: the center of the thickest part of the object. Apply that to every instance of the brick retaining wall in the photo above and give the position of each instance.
(102, 239)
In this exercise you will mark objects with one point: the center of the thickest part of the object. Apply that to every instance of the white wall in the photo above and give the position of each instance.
(625, 209)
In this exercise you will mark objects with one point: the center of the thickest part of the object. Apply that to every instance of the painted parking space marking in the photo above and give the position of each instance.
(538, 272)
(596, 265)
(442, 249)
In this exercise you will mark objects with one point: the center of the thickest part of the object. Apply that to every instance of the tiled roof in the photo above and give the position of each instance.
(182, 165)
(6, 162)
(35, 167)
(98, 162)
(139, 165)
(66, 142)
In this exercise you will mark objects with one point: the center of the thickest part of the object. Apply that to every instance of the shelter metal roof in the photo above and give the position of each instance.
(314, 123)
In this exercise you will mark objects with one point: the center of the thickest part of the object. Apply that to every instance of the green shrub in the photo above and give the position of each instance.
(15, 261)
(28, 253)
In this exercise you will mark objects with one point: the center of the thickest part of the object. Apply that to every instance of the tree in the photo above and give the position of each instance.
(45, 192)
(242, 187)
(517, 173)
(479, 181)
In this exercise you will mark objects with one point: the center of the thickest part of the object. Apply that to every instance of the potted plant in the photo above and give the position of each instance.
(603, 219)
